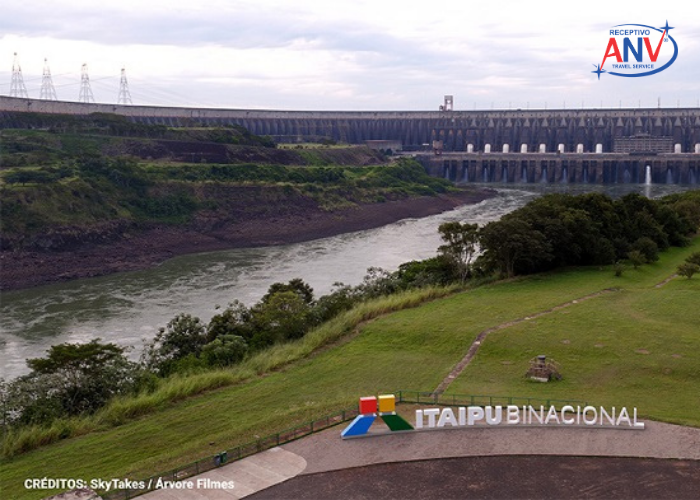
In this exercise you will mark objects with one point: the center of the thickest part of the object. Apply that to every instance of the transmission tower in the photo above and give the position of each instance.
(124, 94)
(85, 90)
(48, 91)
(17, 88)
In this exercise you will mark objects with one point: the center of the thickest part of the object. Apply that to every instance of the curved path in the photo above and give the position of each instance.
(664, 282)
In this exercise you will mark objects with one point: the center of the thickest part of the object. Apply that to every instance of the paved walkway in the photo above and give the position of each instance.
(325, 452)
(249, 475)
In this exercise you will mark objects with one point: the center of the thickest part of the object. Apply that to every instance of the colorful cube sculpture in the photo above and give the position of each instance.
(368, 405)
(387, 403)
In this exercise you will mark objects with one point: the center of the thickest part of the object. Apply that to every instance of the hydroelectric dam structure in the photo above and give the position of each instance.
(645, 145)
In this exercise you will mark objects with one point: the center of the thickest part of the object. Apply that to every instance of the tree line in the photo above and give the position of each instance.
(560, 230)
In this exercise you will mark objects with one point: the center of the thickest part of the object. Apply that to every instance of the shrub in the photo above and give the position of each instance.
(648, 248)
(694, 259)
(637, 258)
(688, 270)
(184, 336)
(619, 268)
(225, 350)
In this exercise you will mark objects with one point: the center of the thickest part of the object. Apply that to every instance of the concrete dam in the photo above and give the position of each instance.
(659, 145)
(593, 168)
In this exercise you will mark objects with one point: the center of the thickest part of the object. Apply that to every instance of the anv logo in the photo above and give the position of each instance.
(637, 50)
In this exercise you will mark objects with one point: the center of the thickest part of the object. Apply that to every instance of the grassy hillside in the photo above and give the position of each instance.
(31, 139)
(637, 347)
(100, 192)
(415, 349)
(66, 181)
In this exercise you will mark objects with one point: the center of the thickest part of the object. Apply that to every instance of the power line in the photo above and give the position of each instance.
(72, 84)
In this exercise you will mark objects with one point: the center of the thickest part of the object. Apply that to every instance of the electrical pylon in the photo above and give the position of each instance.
(48, 91)
(17, 88)
(124, 94)
(85, 90)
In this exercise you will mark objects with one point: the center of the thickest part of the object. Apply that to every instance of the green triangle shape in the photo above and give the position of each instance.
(396, 422)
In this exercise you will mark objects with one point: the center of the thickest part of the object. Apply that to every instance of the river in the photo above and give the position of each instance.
(126, 308)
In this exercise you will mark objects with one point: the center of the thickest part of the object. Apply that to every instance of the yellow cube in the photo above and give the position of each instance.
(387, 403)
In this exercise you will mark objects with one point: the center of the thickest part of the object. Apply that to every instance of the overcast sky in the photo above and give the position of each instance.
(345, 55)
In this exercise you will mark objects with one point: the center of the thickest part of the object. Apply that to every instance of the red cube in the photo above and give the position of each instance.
(368, 405)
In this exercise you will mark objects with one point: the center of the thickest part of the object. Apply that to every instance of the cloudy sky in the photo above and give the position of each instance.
(345, 55)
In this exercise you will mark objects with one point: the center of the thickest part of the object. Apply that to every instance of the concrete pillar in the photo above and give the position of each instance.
(470, 148)
(523, 148)
(487, 148)
(697, 148)
(543, 148)
(506, 148)
(579, 148)
(561, 148)
(598, 148)
(677, 148)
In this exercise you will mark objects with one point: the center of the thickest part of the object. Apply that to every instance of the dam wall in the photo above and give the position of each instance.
(660, 130)
(588, 168)
(659, 145)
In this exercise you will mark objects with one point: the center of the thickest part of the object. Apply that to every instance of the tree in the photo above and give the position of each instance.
(225, 350)
(694, 258)
(618, 268)
(461, 240)
(641, 219)
(514, 246)
(569, 230)
(648, 248)
(283, 316)
(688, 269)
(637, 258)
(377, 283)
(236, 319)
(689, 212)
(674, 225)
(418, 273)
(32, 399)
(296, 285)
(84, 376)
(185, 335)
(342, 298)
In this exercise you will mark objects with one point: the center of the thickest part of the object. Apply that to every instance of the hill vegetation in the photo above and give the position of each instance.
(100, 190)
(102, 173)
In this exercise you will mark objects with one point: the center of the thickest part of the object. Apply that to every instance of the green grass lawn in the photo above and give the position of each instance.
(638, 347)
(416, 349)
